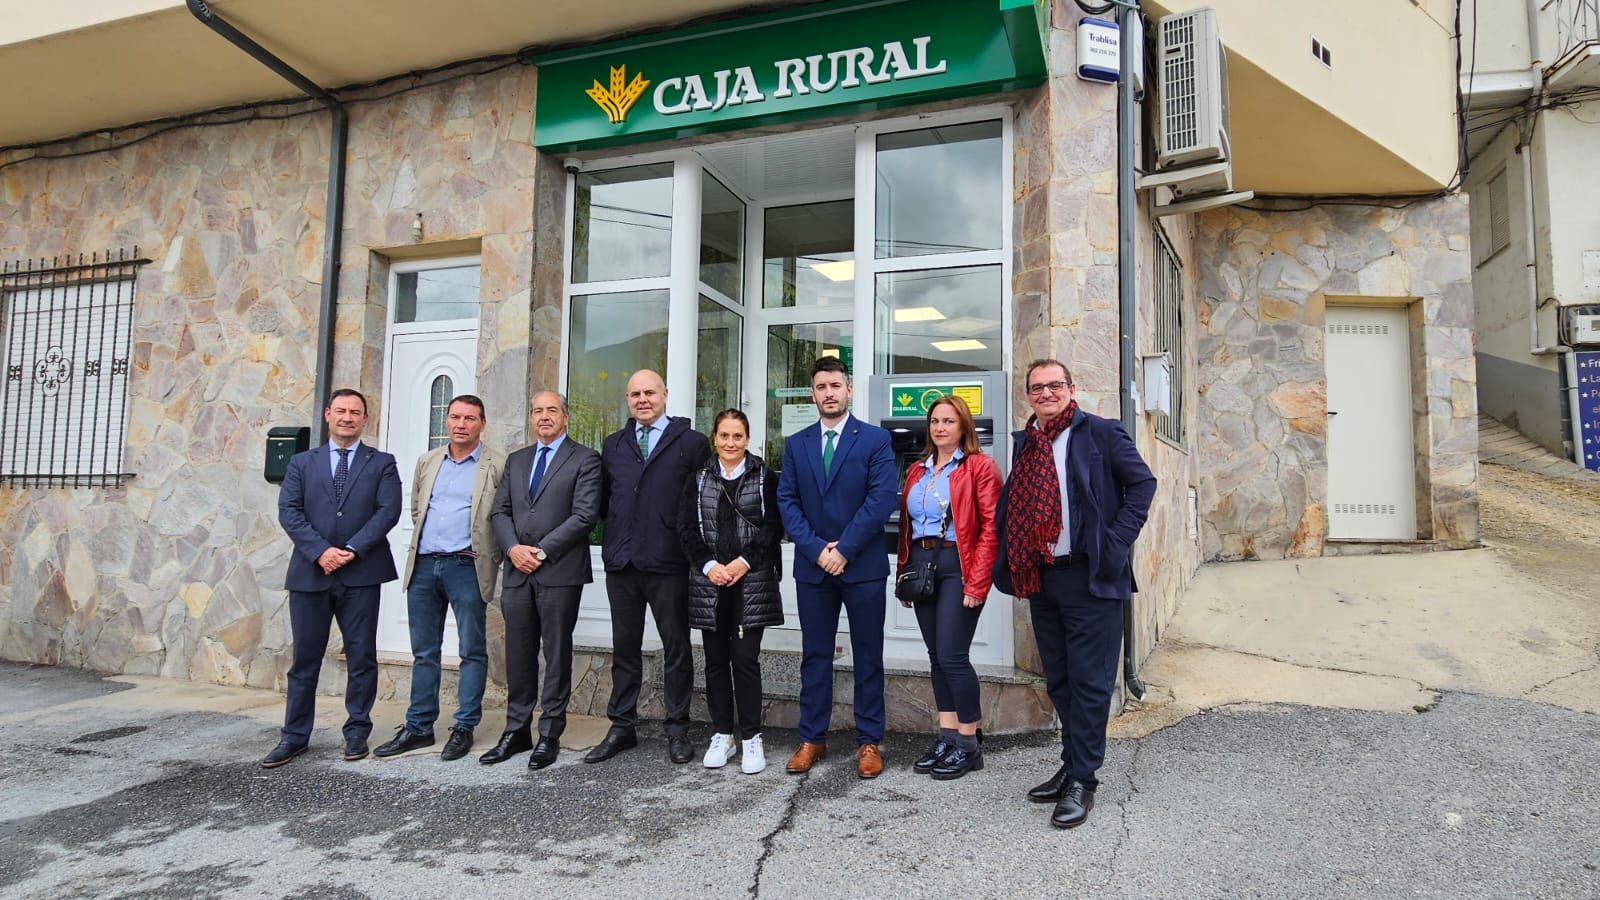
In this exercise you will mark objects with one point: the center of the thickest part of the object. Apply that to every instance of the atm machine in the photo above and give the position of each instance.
(902, 403)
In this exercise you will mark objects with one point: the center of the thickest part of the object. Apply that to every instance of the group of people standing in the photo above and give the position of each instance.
(691, 527)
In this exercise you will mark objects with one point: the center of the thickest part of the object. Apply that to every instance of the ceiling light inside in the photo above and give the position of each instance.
(963, 344)
(840, 270)
(918, 314)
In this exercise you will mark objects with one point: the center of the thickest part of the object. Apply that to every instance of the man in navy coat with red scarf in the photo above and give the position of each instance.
(1076, 499)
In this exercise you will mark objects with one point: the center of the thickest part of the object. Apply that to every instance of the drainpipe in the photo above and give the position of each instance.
(334, 207)
(1525, 151)
(1126, 12)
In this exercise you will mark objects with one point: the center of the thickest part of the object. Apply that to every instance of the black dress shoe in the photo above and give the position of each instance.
(615, 742)
(457, 746)
(544, 752)
(1050, 791)
(285, 751)
(940, 749)
(511, 743)
(402, 742)
(355, 748)
(958, 763)
(679, 750)
(1073, 809)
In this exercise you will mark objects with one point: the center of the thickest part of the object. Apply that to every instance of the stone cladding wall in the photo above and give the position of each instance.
(1265, 281)
(180, 572)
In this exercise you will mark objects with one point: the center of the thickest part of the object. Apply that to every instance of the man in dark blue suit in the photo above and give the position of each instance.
(837, 488)
(1076, 499)
(337, 504)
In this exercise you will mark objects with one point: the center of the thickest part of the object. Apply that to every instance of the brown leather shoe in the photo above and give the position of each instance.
(869, 763)
(807, 756)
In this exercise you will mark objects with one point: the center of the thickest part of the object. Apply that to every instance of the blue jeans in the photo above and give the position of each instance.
(439, 584)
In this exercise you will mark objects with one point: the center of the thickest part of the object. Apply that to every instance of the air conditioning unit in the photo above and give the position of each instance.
(1191, 124)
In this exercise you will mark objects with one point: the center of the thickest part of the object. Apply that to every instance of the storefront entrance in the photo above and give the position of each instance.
(730, 268)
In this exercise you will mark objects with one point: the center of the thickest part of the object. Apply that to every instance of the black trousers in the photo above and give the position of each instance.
(538, 616)
(311, 613)
(947, 627)
(631, 592)
(733, 668)
(1079, 636)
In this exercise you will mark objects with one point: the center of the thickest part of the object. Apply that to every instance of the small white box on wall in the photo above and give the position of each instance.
(1100, 51)
(1158, 384)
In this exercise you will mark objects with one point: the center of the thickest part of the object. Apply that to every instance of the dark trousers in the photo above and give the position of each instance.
(947, 627)
(1079, 636)
(733, 668)
(440, 584)
(310, 615)
(863, 602)
(538, 616)
(666, 596)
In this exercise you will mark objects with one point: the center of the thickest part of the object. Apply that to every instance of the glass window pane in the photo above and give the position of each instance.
(622, 225)
(939, 190)
(613, 336)
(439, 412)
(717, 382)
(809, 254)
(939, 320)
(434, 295)
(791, 349)
(721, 237)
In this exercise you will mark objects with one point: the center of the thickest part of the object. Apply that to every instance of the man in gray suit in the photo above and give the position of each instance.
(543, 511)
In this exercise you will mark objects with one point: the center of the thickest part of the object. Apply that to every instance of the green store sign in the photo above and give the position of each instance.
(800, 63)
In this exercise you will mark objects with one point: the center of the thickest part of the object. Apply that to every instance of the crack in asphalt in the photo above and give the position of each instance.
(1177, 642)
(1132, 775)
(791, 807)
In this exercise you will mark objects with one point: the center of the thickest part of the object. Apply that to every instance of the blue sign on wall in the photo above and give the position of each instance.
(1589, 408)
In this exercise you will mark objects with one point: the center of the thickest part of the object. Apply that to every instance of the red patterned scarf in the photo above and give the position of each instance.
(1033, 511)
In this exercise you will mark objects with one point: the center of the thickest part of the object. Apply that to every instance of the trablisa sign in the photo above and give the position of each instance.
(784, 66)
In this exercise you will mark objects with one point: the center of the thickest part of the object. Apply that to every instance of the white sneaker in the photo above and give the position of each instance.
(754, 759)
(721, 750)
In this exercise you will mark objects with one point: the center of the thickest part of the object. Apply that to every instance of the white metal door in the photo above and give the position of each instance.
(423, 366)
(1371, 485)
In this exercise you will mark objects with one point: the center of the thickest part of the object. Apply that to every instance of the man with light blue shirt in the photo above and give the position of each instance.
(453, 564)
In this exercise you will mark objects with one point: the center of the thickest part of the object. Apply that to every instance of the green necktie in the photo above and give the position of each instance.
(644, 442)
(827, 454)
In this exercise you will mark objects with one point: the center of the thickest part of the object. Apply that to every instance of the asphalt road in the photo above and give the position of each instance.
(112, 790)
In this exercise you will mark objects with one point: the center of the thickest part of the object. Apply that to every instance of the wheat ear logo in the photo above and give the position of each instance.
(619, 98)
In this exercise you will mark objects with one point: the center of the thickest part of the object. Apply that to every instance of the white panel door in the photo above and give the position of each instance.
(416, 363)
(1371, 485)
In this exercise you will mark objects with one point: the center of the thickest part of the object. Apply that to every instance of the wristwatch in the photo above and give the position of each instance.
(538, 553)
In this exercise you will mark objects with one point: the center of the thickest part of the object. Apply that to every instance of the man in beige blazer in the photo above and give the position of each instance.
(453, 564)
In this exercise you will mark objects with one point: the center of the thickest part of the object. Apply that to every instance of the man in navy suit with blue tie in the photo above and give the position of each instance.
(837, 488)
(337, 504)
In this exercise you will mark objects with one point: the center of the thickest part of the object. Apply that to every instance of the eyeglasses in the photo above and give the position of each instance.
(1054, 387)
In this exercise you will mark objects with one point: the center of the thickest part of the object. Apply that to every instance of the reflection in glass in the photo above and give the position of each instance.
(717, 381)
(439, 412)
(435, 295)
(622, 224)
(791, 350)
(939, 190)
(809, 254)
(721, 237)
(613, 336)
(939, 320)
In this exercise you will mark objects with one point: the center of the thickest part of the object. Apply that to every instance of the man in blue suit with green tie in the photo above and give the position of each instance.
(837, 488)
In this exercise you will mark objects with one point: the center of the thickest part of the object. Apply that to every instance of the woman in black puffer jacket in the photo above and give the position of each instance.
(729, 525)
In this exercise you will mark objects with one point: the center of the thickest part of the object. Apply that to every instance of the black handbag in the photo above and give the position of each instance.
(918, 582)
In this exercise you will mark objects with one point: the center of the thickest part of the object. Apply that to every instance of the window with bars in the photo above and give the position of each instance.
(439, 412)
(68, 332)
(1168, 282)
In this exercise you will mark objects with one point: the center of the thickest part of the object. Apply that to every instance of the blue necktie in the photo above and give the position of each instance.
(341, 474)
(538, 473)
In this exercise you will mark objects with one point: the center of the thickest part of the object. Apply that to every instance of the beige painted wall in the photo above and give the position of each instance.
(1393, 66)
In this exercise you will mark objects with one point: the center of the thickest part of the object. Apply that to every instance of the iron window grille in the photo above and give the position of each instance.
(66, 358)
(1168, 282)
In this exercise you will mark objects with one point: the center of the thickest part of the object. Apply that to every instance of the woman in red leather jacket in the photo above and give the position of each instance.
(947, 516)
